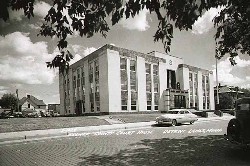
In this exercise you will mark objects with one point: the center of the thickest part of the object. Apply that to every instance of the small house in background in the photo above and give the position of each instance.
(32, 103)
(232, 91)
(54, 108)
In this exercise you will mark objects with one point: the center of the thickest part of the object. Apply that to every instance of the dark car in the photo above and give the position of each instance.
(18, 114)
(6, 115)
(238, 129)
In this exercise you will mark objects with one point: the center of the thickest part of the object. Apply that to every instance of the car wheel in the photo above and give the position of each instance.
(191, 122)
(174, 122)
(234, 130)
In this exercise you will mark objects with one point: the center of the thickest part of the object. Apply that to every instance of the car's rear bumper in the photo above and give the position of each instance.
(163, 122)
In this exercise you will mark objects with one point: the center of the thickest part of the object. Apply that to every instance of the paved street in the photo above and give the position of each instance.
(199, 144)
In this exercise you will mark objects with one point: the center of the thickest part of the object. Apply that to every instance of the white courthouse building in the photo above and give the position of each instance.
(118, 80)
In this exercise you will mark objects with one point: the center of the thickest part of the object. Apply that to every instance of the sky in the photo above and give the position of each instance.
(23, 54)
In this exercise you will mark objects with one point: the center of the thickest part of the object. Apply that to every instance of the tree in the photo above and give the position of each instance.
(226, 101)
(9, 100)
(91, 16)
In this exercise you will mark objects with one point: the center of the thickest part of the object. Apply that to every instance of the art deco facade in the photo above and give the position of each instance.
(114, 79)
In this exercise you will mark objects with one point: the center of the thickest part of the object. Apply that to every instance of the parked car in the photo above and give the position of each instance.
(238, 129)
(30, 113)
(177, 116)
(18, 114)
(6, 115)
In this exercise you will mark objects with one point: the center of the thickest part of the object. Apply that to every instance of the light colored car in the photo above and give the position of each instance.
(177, 116)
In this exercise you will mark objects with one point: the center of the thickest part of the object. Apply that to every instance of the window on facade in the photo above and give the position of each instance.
(156, 85)
(123, 63)
(205, 92)
(193, 89)
(148, 82)
(96, 64)
(78, 77)
(83, 77)
(91, 98)
(132, 65)
(149, 100)
(148, 68)
(171, 79)
(155, 70)
(124, 99)
(91, 72)
(148, 85)
(133, 100)
(204, 102)
(124, 105)
(68, 84)
(190, 77)
(74, 82)
(124, 83)
(133, 83)
(97, 101)
(124, 80)
(156, 98)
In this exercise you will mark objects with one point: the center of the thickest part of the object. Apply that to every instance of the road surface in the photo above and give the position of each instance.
(199, 144)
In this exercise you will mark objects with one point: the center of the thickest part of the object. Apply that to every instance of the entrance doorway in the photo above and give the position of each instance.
(179, 101)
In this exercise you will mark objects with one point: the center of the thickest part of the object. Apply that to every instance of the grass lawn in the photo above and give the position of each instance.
(27, 124)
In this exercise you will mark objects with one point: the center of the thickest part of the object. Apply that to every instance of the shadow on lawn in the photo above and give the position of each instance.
(203, 150)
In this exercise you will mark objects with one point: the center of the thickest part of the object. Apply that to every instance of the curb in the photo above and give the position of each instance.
(64, 132)
(51, 133)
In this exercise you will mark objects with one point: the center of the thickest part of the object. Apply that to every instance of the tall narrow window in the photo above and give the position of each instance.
(97, 92)
(78, 77)
(204, 91)
(124, 83)
(74, 82)
(191, 89)
(171, 79)
(207, 92)
(195, 94)
(133, 84)
(148, 86)
(91, 81)
(156, 85)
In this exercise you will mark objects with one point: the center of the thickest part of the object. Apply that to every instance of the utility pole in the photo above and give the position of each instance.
(216, 68)
(17, 100)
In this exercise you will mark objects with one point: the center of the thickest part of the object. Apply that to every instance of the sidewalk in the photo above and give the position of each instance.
(64, 132)
(51, 133)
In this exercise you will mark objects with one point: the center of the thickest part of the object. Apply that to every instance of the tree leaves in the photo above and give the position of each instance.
(89, 17)
(233, 26)
(9, 100)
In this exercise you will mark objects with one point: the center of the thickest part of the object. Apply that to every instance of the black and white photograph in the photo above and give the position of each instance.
(124, 82)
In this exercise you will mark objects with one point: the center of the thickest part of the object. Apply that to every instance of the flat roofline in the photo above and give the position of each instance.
(193, 67)
(165, 54)
(111, 47)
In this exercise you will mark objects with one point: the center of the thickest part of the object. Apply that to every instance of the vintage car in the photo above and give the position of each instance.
(177, 116)
(238, 129)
